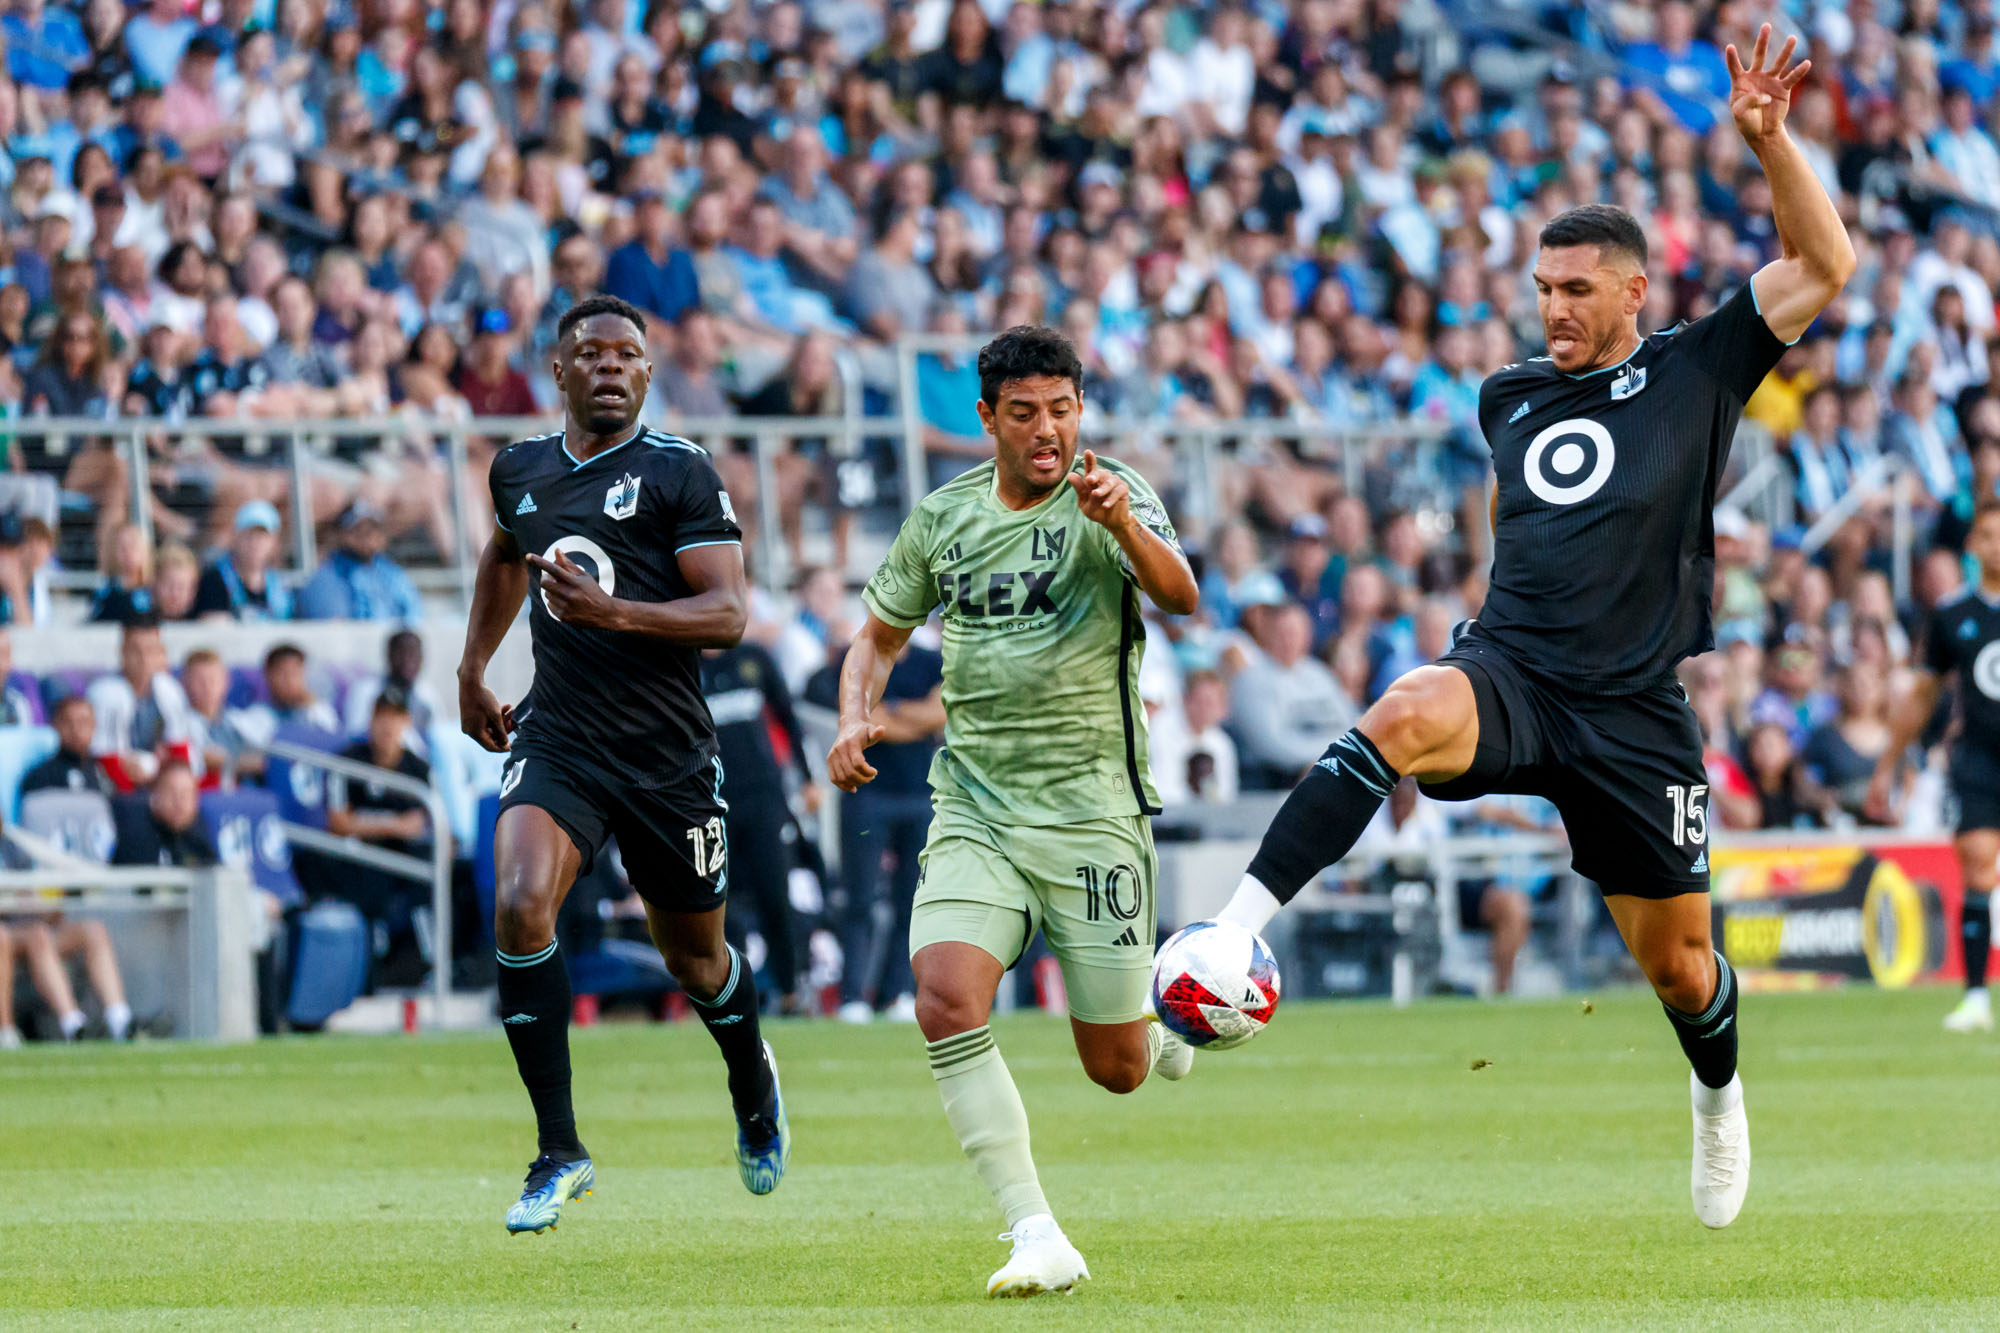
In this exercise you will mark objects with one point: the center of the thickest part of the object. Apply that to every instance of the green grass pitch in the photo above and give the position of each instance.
(1349, 1169)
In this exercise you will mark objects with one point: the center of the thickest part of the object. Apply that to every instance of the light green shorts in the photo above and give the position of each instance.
(1091, 888)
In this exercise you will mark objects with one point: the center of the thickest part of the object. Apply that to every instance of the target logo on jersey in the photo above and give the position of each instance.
(1570, 461)
(586, 555)
(1986, 670)
(1215, 984)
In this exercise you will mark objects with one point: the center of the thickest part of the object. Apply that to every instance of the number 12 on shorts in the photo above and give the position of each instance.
(1690, 818)
(711, 848)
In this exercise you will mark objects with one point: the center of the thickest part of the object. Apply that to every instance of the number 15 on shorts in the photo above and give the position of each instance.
(1690, 817)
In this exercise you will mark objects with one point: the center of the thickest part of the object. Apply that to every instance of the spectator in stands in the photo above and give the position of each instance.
(240, 583)
(74, 765)
(819, 221)
(821, 622)
(686, 384)
(164, 827)
(142, 710)
(1840, 755)
(43, 943)
(126, 594)
(648, 270)
(222, 750)
(492, 387)
(1284, 701)
(176, 577)
(1794, 699)
(289, 700)
(358, 580)
(1192, 755)
(1780, 779)
(20, 692)
(1500, 905)
(394, 821)
(403, 672)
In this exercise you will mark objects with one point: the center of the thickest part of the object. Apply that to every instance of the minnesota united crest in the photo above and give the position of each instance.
(622, 500)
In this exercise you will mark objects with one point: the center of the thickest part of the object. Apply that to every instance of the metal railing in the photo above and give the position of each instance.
(436, 870)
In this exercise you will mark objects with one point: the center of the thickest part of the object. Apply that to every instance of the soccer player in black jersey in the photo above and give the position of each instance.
(626, 547)
(1962, 641)
(1606, 454)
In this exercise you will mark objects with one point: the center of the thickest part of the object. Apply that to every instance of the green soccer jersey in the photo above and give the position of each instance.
(1042, 641)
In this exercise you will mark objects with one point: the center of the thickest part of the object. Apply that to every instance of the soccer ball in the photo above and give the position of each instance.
(1215, 984)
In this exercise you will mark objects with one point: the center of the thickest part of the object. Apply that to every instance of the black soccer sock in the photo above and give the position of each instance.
(731, 1018)
(1709, 1038)
(534, 1008)
(1324, 816)
(1975, 933)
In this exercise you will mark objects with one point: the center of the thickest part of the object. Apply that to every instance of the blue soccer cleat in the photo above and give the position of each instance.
(551, 1184)
(764, 1143)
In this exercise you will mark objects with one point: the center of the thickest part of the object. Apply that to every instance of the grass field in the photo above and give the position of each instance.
(1350, 1169)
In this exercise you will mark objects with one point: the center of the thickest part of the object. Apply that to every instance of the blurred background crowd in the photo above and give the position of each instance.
(1290, 238)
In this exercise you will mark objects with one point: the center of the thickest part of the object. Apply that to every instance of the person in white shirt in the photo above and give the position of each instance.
(1193, 757)
(143, 707)
(1285, 701)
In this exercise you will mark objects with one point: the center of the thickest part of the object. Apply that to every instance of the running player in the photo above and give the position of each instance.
(630, 549)
(1042, 790)
(1963, 641)
(1606, 453)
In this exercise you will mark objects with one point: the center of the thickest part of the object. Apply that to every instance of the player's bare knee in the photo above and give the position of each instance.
(701, 972)
(1121, 1074)
(1412, 720)
(524, 915)
(942, 1014)
(1683, 978)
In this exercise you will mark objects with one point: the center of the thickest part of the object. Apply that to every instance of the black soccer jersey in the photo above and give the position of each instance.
(1962, 640)
(628, 703)
(1604, 554)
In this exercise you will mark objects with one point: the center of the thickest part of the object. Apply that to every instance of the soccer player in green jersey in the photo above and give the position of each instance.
(1041, 793)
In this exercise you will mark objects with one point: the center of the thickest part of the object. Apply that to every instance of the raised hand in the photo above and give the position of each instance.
(1102, 496)
(1760, 95)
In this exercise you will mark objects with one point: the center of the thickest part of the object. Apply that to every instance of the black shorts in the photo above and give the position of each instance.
(672, 839)
(1975, 784)
(1623, 770)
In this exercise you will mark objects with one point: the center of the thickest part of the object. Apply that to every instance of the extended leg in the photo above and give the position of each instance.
(1978, 849)
(1427, 724)
(1504, 912)
(36, 945)
(535, 864)
(100, 964)
(1670, 939)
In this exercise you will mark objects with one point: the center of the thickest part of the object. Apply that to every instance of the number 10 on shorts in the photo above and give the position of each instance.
(710, 847)
(1690, 818)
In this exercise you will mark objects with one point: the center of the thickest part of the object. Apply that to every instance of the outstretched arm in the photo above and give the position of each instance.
(1817, 259)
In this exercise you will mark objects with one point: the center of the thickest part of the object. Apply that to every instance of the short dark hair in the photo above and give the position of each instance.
(393, 700)
(1610, 229)
(282, 653)
(1024, 351)
(592, 306)
(74, 699)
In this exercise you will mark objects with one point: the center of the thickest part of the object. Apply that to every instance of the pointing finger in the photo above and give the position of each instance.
(1089, 460)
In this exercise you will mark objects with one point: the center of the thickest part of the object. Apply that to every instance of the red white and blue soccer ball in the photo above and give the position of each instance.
(1215, 984)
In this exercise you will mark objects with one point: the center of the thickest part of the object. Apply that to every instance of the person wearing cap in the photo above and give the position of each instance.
(358, 580)
(240, 583)
(1285, 701)
(1303, 573)
(486, 377)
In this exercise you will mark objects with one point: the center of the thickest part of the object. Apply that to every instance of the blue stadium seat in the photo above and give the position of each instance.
(79, 822)
(244, 827)
(301, 788)
(21, 748)
(246, 686)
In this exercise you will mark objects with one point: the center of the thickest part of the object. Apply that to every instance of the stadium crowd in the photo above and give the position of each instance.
(1320, 213)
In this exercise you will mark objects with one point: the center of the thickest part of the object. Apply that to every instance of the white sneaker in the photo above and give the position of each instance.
(857, 1012)
(904, 1010)
(1176, 1057)
(10, 1038)
(1043, 1260)
(1974, 1014)
(1721, 1174)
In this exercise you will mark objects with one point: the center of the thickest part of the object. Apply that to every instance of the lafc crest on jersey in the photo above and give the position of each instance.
(622, 500)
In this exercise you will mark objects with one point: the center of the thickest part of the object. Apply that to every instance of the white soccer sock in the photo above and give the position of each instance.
(1252, 905)
(71, 1024)
(118, 1018)
(985, 1112)
(1717, 1101)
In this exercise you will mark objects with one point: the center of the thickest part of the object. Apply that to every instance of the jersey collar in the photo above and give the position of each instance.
(1605, 370)
(637, 431)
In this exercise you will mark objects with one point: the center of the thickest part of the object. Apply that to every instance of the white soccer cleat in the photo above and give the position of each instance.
(1721, 1174)
(1043, 1260)
(1974, 1014)
(1176, 1057)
